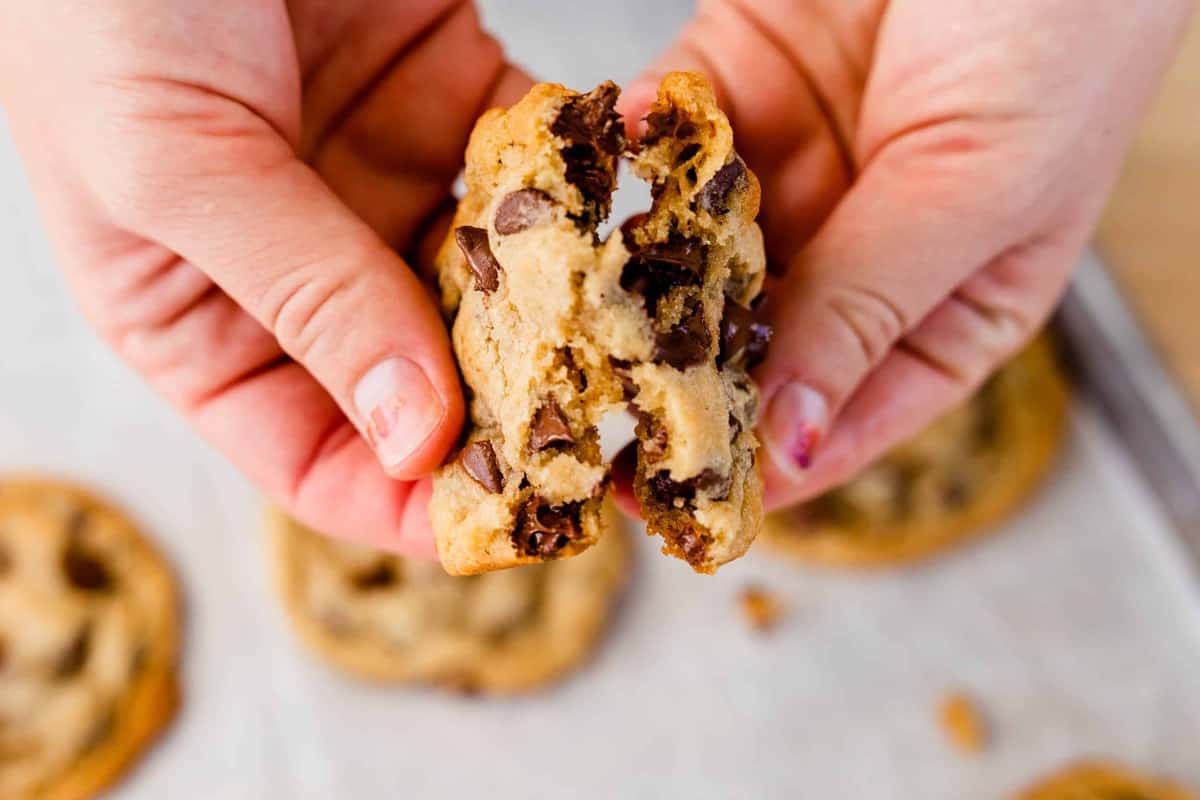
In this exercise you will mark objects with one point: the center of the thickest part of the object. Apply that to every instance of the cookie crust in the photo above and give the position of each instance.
(386, 619)
(105, 601)
(964, 474)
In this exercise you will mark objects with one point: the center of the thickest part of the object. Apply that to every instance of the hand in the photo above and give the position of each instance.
(931, 170)
(228, 184)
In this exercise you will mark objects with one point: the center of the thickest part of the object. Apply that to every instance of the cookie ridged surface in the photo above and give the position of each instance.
(89, 638)
(1103, 781)
(958, 477)
(554, 329)
(396, 620)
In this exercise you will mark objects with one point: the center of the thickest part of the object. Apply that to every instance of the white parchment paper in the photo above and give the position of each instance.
(1077, 627)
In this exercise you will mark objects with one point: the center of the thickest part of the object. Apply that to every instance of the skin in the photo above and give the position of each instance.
(228, 185)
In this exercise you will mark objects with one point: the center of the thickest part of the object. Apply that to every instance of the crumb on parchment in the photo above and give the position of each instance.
(962, 722)
(760, 607)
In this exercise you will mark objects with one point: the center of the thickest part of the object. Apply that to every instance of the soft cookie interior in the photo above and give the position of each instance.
(555, 327)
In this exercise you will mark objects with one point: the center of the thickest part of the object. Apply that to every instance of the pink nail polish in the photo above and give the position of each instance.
(400, 409)
(796, 420)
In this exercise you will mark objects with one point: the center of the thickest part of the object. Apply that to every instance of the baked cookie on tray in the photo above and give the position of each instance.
(89, 638)
(1103, 781)
(963, 473)
(391, 619)
(554, 328)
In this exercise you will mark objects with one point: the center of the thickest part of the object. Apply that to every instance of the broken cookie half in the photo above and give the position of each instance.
(554, 328)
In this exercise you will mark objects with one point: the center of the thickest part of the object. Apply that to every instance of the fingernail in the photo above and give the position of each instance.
(795, 422)
(399, 409)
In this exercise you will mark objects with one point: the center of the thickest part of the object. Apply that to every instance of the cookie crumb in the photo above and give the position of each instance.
(761, 608)
(962, 723)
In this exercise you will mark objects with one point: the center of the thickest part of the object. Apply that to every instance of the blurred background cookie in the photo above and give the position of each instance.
(966, 471)
(392, 619)
(89, 637)
(1103, 781)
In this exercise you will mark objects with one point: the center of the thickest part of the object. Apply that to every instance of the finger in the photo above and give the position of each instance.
(393, 154)
(935, 366)
(273, 236)
(624, 467)
(790, 110)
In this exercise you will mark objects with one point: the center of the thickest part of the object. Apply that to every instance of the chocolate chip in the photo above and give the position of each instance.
(543, 530)
(714, 197)
(670, 122)
(743, 339)
(654, 269)
(84, 570)
(549, 428)
(479, 461)
(473, 242)
(522, 210)
(380, 575)
(686, 344)
(71, 660)
(666, 490)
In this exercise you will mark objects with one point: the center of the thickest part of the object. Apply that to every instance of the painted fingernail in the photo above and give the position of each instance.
(399, 409)
(796, 420)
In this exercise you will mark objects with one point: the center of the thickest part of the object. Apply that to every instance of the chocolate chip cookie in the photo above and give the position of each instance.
(89, 636)
(554, 328)
(391, 619)
(962, 474)
(1103, 781)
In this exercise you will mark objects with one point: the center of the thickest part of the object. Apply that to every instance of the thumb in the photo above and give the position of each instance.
(912, 292)
(276, 239)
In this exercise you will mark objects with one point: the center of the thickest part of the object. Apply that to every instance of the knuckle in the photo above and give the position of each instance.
(301, 309)
(870, 318)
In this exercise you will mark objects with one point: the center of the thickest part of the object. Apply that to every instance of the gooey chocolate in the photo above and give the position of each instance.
(543, 530)
(594, 137)
(687, 343)
(714, 197)
(666, 490)
(743, 338)
(654, 269)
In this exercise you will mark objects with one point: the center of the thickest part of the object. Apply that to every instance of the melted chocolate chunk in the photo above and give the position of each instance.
(654, 269)
(594, 134)
(84, 570)
(714, 197)
(522, 210)
(378, 576)
(71, 660)
(671, 122)
(743, 339)
(479, 461)
(666, 490)
(549, 428)
(592, 119)
(543, 530)
(686, 344)
(473, 242)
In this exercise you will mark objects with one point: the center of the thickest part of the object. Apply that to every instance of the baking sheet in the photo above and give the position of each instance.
(1077, 627)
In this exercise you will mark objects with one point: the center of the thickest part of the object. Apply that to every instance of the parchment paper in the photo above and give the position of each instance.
(1077, 627)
